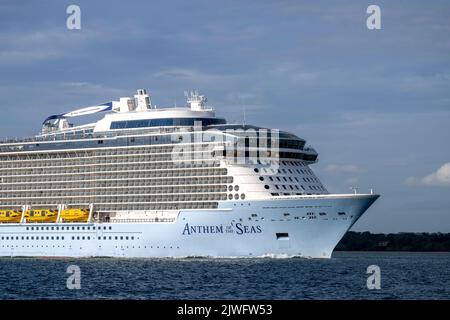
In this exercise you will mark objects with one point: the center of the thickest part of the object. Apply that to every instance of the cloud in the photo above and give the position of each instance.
(441, 177)
(352, 181)
(343, 168)
(194, 76)
(29, 46)
(88, 88)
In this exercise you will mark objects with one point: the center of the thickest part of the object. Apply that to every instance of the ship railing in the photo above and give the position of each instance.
(141, 220)
(309, 149)
(89, 134)
(155, 220)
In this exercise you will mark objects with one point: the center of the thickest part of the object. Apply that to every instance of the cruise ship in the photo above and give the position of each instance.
(145, 181)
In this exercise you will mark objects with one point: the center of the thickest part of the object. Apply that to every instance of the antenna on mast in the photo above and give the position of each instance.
(243, 108)
(355, 189)
(196, 101)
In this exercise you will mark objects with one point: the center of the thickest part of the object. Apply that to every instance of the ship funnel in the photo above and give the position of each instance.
(143, 101)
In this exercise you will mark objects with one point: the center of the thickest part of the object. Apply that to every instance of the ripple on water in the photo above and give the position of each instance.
(403, 276)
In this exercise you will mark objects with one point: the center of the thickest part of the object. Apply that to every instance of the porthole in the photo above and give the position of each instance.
(236, 188)
(261, 178)
(230, 188)
(236, 196)
(242, 196)
(256, 170)
(230, 196)
(266, 186)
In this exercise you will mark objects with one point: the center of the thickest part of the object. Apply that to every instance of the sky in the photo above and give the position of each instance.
(375, 104)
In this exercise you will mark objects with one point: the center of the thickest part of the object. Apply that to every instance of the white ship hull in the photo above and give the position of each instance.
(306, 226)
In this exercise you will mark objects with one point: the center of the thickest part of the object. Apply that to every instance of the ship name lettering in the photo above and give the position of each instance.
(241, 229)
(188, 230)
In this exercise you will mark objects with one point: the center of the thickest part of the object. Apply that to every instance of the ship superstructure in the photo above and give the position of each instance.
(155, 182)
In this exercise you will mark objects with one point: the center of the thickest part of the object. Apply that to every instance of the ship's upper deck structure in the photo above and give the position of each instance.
(140, 157)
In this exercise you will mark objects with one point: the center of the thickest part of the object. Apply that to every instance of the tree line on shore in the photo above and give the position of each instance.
(405, 241)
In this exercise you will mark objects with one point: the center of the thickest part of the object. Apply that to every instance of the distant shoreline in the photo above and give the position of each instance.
(394, 242)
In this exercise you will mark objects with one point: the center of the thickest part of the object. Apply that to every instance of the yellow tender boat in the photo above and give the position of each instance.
(41, 215)
(10, 216)
(75, 215)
